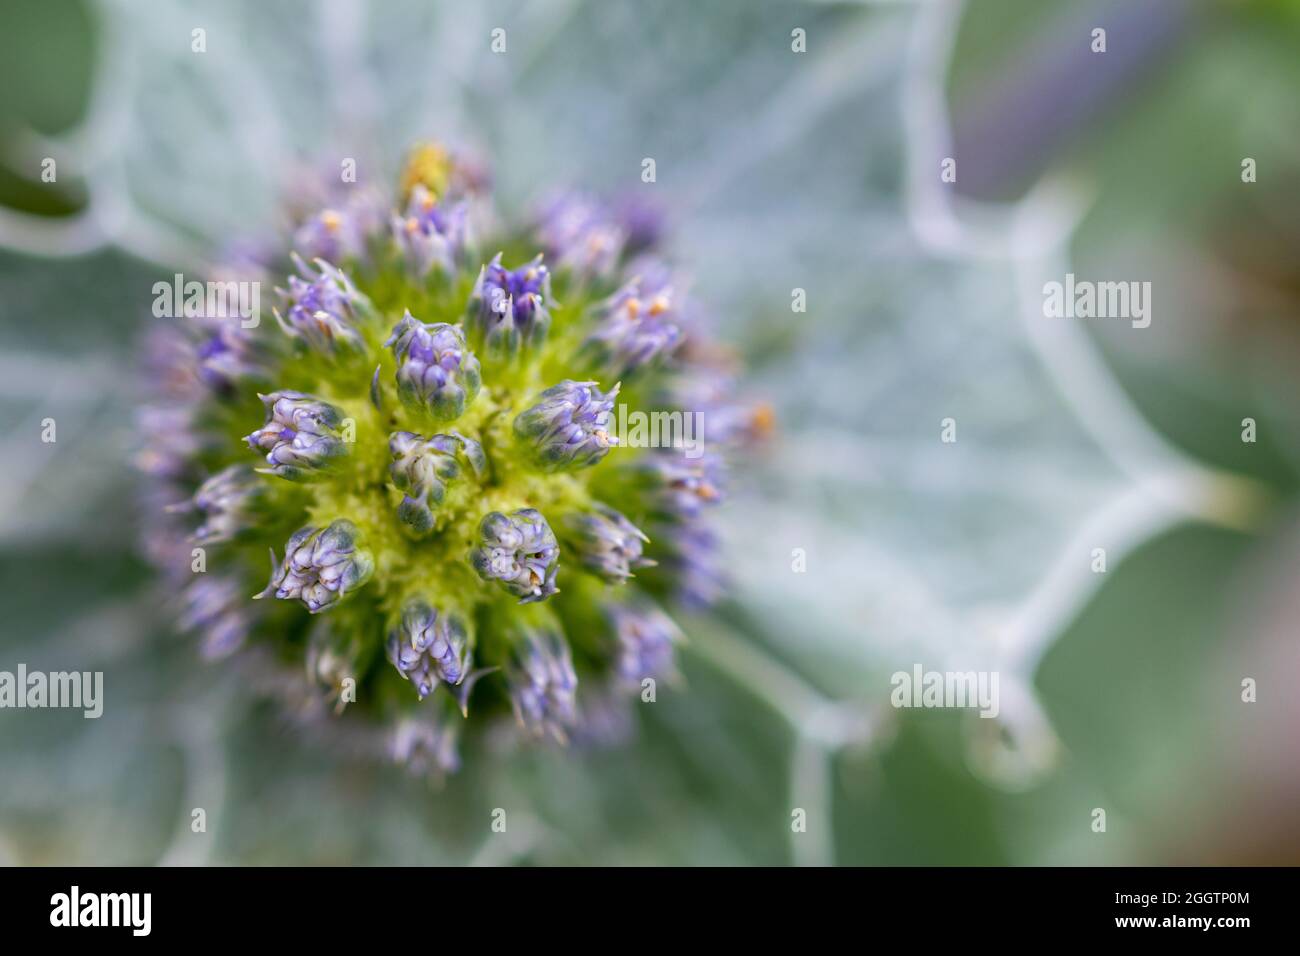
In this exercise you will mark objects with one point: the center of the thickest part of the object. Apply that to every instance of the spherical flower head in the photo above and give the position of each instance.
(519, 552)
(639, 328)
(321, 309)
(437, 374)
(509, 309)
(644, 636)
(567, 427)
(321, 567)
(431, 233)
(226, 502)
(607, 543)
(428, 646)
(300, 436)
(542, 684)
(426, 467)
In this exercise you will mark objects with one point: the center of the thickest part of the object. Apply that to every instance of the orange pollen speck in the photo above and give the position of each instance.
(660, 304)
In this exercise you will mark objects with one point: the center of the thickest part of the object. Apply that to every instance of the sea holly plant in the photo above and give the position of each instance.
(417, 519)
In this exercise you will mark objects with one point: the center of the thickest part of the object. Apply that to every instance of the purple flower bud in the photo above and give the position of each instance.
(300, 435)
(682, 487)
(224, 352)
(436, 372)
(644, 635)
(431, 233)
(428, 647)
(425, 745)
(216, 609)
(640, 326)
(322, 309)
(694, 564)
(226, 501)
(568, 426)
(579, 233)
(333, 657)
(320, 567)
(542, 684)
(607, 543)
(330, 234)
(519, 552)
(643, 224)
(508, 310)
(421, 468)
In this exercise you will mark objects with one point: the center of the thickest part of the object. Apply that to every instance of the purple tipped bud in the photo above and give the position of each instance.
(320, 567)
(542, 684)
(580, 234)
(215, 608)
(421, 468)
(224, 353)
(300, 435)
(425, 745)
(694, 565)
(682, 487)
(436, 372)
(509, 310)
(607, 544)
(640, 326)
(519, 552)
(332, 234)
(568, 426)
(428, 647)
(431, 233)
(333, 658)
(322, 308)
(645, 636)
(226, 501)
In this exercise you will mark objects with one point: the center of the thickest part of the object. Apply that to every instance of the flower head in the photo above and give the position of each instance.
(423, 467)
(509, 309)
(567, 427)
(300, 435)
(436, 372)
(321, 566)
(518, 552)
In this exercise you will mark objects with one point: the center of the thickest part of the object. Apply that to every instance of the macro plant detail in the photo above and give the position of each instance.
(423, 442)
